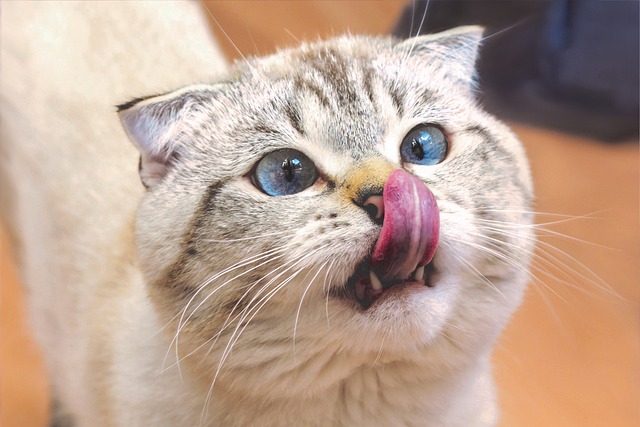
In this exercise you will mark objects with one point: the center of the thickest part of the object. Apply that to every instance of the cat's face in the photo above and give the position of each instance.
(342, 204)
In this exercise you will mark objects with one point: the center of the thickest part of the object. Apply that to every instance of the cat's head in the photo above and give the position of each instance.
(335, 205)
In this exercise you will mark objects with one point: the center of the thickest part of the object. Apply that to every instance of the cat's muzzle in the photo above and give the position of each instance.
(407, 242)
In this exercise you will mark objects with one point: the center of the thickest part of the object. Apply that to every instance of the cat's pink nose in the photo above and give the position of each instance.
(410, 227)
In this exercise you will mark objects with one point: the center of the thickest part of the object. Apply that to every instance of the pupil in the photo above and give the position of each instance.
(417, 150)
(289, 167)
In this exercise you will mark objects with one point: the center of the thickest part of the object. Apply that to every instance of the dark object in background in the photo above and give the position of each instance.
(566, 64)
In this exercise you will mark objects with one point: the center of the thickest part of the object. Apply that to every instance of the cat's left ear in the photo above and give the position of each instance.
(457, 49)
(158, 126)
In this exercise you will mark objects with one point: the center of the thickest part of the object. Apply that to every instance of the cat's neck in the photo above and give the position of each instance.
(379, 395)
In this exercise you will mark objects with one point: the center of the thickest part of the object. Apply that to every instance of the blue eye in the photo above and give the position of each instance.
(284, 172)
(424, 145)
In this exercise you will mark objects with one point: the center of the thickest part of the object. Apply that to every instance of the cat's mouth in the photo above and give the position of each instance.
(366, 285)
(402, 256)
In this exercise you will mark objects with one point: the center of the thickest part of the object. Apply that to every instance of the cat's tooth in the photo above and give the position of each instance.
(376, 284)
(419, 275)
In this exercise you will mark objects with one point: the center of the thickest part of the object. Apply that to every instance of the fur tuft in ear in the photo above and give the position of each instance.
(457, 48)
(155, 126)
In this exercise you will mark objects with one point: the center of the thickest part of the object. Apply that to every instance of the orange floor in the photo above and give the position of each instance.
(570, 357)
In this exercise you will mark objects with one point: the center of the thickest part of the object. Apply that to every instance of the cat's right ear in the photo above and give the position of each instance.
(457, 48)
(159, 125)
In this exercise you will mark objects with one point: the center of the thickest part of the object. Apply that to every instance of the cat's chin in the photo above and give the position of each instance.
(415, 309)
(401, 320)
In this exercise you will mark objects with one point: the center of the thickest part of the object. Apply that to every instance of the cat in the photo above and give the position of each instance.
(334, 234)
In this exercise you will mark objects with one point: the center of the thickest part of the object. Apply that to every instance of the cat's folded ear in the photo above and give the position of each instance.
(457, 49)
(159, 126)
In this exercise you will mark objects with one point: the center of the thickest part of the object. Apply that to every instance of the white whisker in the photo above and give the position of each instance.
(379, 354)
(182, 321)
(251, 67)
(479, 275)
(252, 310)
(451, 54)
(413, 44)
(295, 324)
(545, 248)
(326, 292)
(293, 36)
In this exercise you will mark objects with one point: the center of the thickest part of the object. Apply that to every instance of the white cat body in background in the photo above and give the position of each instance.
(267, 234)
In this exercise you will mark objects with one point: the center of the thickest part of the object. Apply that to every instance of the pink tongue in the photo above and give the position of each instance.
(410, 228)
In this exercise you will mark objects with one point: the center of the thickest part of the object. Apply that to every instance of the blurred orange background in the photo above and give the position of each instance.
(571, 355)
